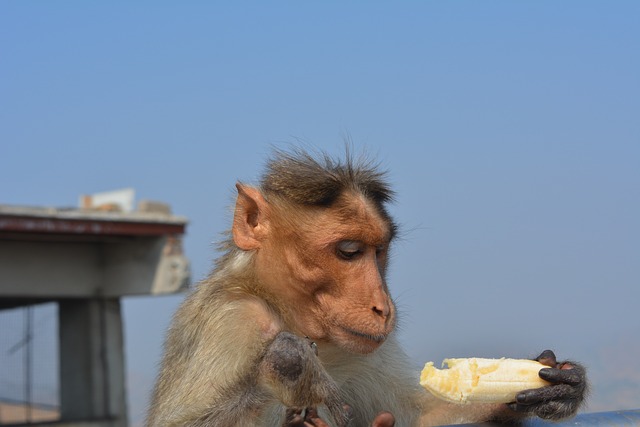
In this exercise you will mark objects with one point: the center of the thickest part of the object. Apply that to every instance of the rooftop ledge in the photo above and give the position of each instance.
(97, 250)
(79, 221)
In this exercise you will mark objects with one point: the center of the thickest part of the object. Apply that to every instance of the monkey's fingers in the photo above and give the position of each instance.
(544, 394)
(559, 400)
(566, 373)
(553, 402)
(312, 419)
(547, 358)
(307, 417)
(294, 418)
(384, 419)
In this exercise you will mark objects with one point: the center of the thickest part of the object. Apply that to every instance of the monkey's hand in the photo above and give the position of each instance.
(561, 399)
(310, 418)
(291, 370)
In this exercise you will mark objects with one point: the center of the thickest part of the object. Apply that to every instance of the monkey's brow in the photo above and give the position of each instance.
(367, 239)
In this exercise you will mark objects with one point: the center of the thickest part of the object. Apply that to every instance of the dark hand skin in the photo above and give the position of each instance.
(559, 400)
(310, 418)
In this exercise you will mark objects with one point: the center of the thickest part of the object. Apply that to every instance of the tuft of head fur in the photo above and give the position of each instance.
(301, 178)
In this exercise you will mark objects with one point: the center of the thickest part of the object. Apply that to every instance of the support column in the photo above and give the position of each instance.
(92, 379)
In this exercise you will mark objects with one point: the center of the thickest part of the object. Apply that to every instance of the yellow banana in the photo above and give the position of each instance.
(482, 380)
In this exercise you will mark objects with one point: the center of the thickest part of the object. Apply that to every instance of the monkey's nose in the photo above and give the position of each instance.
(381, 310)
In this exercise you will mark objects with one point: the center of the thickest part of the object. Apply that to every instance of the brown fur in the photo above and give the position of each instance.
(235, 353)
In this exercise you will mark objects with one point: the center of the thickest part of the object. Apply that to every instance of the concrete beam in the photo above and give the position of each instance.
(85, 269)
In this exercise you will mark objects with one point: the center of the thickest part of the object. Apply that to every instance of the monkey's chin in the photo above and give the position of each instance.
(360, 342)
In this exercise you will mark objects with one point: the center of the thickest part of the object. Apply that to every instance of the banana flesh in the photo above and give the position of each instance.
(482, 380)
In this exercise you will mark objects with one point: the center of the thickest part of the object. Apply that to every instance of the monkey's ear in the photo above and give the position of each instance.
(250, 218)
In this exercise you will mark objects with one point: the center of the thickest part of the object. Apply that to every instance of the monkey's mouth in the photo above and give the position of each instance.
(377, 338)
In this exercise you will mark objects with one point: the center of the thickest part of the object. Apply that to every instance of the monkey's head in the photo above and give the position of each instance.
(320, 237)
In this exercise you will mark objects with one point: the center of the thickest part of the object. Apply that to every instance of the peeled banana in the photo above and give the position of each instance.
(482, 380)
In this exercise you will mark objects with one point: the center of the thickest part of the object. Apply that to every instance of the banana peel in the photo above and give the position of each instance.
(478, 380)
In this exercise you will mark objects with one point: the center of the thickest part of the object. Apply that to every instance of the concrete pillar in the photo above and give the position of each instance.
(92, 383)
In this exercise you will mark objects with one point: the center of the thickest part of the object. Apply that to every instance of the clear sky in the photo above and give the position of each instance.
(511, 131)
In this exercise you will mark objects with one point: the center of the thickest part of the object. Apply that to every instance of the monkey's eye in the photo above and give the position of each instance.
(349, 249)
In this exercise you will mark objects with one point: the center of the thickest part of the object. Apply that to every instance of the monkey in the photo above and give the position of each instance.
(296, 326)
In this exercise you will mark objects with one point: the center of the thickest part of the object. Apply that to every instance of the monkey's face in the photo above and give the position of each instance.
(359, 312)
(329, 269)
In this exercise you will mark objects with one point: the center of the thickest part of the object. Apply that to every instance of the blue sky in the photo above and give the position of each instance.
(510, 129)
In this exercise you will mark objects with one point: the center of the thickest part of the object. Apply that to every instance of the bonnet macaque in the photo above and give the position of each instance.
(295, 325)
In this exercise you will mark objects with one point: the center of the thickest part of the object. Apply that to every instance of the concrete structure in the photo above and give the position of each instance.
(86, 260)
